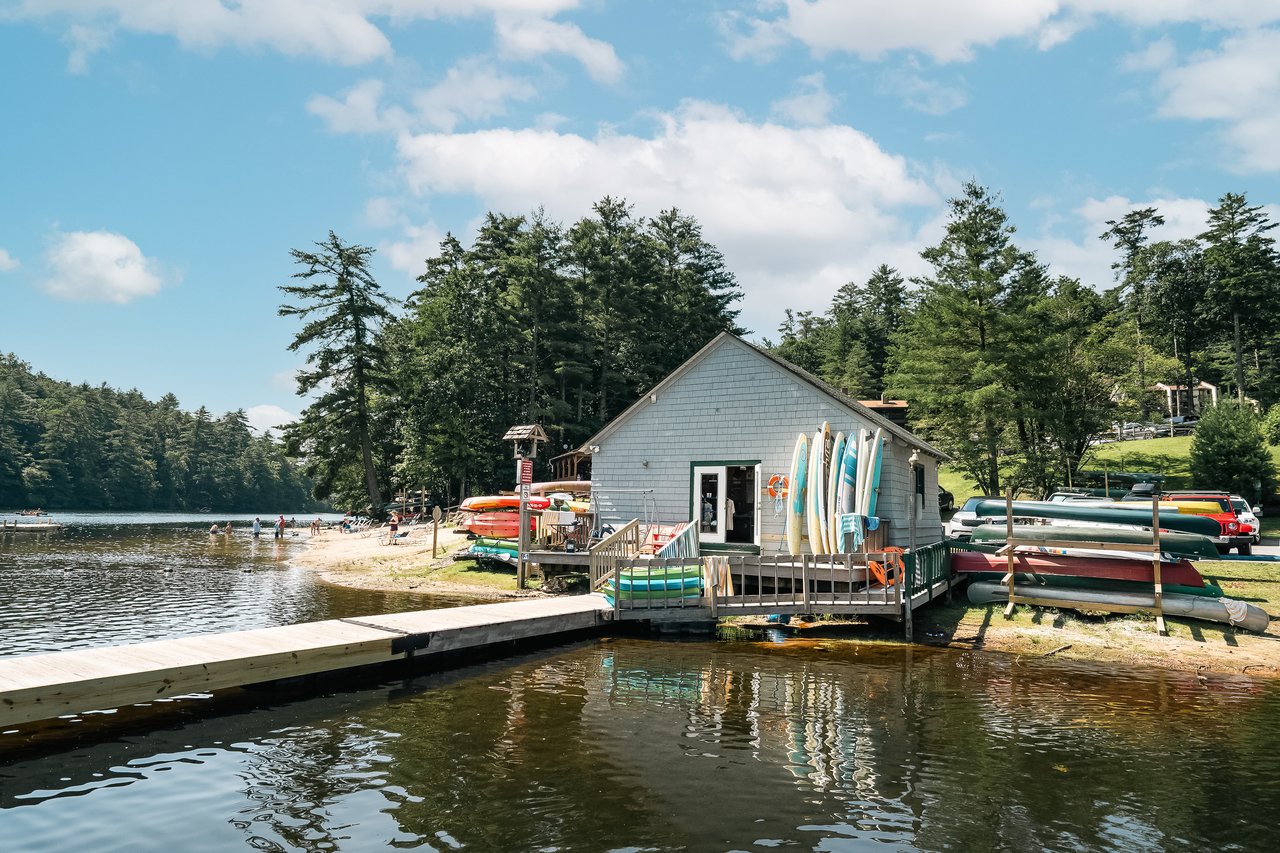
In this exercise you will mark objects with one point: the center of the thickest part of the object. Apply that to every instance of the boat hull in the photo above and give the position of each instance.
(1103, 568)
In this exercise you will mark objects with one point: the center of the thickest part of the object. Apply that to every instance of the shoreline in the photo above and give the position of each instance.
(359, 561)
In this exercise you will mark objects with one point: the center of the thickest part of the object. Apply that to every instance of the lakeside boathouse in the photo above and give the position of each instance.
(713, 442)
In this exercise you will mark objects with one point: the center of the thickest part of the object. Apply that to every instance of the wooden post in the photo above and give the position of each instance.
(1155, 565)
(1008, 542)
(436, 515)
(1106, 482)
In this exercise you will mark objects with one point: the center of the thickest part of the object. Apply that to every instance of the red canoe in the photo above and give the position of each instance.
(499, 525)
(1181, 572)
(484, 502)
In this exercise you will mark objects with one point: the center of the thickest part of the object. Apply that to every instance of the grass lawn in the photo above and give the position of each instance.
(491, 575)
(1168, 456)
(1256, 583)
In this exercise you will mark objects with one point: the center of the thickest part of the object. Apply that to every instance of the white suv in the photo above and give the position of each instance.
(1248, 515)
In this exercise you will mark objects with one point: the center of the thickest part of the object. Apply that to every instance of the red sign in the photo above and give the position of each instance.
(524, 471)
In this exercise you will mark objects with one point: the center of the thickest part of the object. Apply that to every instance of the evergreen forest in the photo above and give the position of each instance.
(65, 446)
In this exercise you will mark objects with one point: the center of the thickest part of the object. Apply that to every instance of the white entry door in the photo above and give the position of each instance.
(709, 485)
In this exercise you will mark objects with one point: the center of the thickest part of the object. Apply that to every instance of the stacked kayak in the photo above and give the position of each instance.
(1117, 514)
(505, 550)
(1189, 545)
(1102, 568)
(498, 516)
(656, 586)
(1049, 568)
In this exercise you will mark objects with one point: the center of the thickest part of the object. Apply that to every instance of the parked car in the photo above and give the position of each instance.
(962, 523)
(946, 500)
(1248, 515)
(1235, 533)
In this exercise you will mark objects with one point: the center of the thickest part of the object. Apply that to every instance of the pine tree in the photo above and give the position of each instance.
(345, 309)
(1228, 452)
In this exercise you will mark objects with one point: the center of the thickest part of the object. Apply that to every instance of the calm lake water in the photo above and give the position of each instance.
(699, 746)
(622, 744)
(126, 578)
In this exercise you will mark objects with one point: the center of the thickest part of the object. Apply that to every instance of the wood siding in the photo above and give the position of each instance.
(735, 404)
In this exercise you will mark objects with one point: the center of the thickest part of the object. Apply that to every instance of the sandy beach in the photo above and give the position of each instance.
(363, 560)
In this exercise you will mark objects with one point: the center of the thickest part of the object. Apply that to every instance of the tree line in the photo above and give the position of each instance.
(534, 322)
(65, 446)
(1013, 371)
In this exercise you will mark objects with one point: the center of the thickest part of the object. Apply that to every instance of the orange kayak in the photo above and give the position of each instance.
(500, 525)
(484, 502)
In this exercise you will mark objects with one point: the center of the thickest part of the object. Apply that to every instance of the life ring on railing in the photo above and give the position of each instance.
(777, 486)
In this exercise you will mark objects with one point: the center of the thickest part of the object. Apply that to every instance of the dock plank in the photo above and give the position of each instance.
(36, 687)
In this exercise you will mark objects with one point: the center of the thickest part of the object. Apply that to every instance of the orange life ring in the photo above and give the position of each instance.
(777, 486)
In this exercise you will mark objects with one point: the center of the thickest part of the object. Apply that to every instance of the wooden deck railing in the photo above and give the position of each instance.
(622, 544)
(724, 584)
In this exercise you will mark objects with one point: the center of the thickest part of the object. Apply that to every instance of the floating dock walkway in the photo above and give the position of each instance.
(44, 686)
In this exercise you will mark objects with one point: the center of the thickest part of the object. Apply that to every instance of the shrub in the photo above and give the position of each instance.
(1271, 425)
(1229, 452)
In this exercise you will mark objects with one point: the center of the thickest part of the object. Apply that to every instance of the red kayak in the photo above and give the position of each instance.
(499, 525)
(1181, 572)
(486, 502)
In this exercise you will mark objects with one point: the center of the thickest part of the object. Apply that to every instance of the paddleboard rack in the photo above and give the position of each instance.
(1012, 541)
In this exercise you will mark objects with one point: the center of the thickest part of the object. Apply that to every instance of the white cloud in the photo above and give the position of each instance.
(84, 41)
(7, 261)
(919, 93)
(527, 37)
(1239, 85)
(810, 104)
(473, 90)
(795, 210)
(99, 266)
(342, 31)
(410, 254)
(358, 111)
(266, 417)
(1087, 257)
(950, 30)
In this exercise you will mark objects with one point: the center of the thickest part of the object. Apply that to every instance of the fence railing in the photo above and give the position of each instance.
(927, 565)
(622, 544)
(724, 583)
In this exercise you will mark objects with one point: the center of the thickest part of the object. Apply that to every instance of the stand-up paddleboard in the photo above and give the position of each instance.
(796, 495)
(873, 481)
(812, 516)
(833, 487)
(824, 509)
(847, 489)
(860, 473)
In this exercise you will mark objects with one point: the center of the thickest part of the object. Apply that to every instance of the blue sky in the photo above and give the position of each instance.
(161, 158)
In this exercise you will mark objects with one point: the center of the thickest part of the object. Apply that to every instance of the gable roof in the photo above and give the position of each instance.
(798, 373)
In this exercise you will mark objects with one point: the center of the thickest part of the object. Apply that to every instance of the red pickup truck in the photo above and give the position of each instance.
(1235, 533)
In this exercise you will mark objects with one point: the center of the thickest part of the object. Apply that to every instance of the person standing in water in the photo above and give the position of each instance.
(257, 527)
(280, 527)
(228, 530)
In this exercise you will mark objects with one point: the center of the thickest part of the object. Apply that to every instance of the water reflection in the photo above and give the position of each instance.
(696, 746)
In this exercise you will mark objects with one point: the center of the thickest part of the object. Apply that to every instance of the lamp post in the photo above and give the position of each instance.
(524, 440)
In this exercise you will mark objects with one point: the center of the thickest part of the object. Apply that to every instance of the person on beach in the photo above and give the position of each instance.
(315, 527)
(280, 527)
(395, 526)
(257, 527)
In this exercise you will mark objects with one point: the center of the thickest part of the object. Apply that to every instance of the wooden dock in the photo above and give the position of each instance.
(44, 686)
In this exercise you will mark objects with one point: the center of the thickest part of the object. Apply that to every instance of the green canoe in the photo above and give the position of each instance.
(1139, 517)
(1191, 545)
